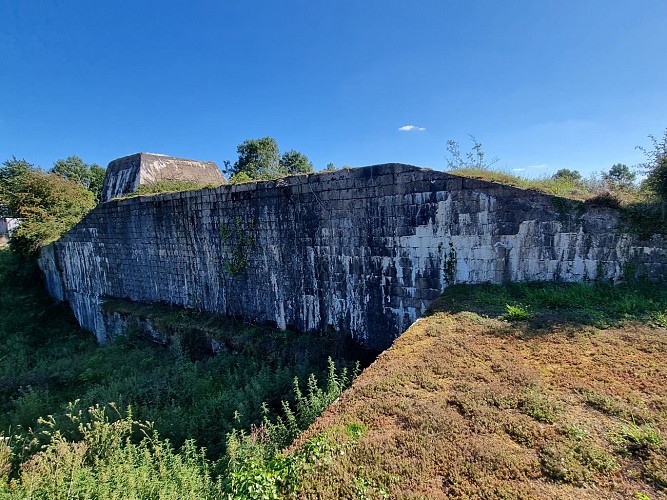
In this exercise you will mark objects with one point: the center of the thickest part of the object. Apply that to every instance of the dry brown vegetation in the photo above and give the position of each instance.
(470, 405)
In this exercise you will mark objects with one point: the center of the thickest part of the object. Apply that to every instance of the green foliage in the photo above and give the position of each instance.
(567, 174)
(604, 403)
(167, 186)
(308, 406)
(537, 405)
(642, 209)
(170, 187)
(600, 304)
(516, 313)
(474, 159)
(48, 204)
(111, 457)
(74, 169)
(330, 167)
(655, 166)
(255, 472)
(97, 451)
(557, 186)
(636, 439)
(619, 177)
(449, 262)
(575, 461)
(260, 159)
(240, 178)
(292, 162)
(10, 172)
(237, 239)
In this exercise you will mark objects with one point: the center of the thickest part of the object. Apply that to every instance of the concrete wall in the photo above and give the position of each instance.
(363, 251)
(125, 175)
(8, 225)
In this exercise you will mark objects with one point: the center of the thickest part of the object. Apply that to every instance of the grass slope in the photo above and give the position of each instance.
(522, 391)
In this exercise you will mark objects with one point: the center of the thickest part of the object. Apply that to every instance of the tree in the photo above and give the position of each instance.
(330, 167)
(10, 170)
(47, 204)
(292, 162)
(619, 176)
(473, 159)
(655, 166)
(567, 174)
(74, 169)
(258, 159)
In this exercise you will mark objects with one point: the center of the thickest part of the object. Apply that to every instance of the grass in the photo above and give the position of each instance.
(564, 187)
(170, 416)
(236, 337)
(603, 305)
(167, 186)
(641, 210)
(570, 402)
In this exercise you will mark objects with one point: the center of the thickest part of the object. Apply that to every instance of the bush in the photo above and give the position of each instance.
(47, 204)
(110, 461)
(656, 166)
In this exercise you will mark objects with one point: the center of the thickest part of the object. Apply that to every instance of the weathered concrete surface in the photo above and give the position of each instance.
(363, 251)
(125, 175)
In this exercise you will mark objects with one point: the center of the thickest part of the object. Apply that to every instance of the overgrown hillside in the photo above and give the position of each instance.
(522, 391)
(134, 419)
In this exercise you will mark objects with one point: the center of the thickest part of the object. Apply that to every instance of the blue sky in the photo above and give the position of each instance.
(542, 85)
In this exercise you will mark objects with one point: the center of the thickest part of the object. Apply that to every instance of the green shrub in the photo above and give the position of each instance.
(636, 439)
(538, 405)
(575, 461)
(108, 461)
(47, 204)
(516, 313)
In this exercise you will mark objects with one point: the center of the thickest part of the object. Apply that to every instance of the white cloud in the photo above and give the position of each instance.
(410, 128)
(540, 166)
(518, 169)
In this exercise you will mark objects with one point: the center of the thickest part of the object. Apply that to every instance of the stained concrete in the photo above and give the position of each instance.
(125, 175)
(362, 251)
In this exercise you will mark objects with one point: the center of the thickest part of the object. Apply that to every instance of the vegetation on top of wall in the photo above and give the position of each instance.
(167, 186)
(644, 205)
(260, 159)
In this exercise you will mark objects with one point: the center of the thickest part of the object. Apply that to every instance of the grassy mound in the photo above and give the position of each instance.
(521, 391)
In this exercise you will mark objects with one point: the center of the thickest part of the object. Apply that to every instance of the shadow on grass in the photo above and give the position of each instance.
(544, 305)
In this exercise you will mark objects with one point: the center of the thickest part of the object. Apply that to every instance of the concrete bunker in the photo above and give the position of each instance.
(361, 251)
(125, 175)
